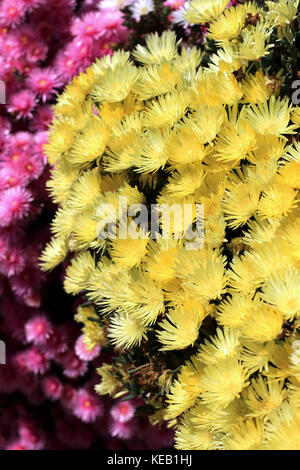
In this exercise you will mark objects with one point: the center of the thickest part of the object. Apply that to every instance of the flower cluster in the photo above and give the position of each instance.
(207, 336)
(47, 386)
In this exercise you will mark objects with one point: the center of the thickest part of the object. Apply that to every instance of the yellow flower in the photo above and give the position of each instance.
(180, 328)
(255, 89)
(54, 253)
(125, 331)
(283, 290)
(185, 389)
(202, 11)
(270, 324)
(262, 398)
(109, 383)
(223, 382)
(246, 436)
(224, 345)
(271, 117)
(167, 110)
(78, 273)
(228, 26)
(158, 48)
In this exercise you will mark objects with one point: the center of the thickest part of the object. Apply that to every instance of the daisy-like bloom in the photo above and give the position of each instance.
(12, 262)
(140, 8)
(36, 51)
(228, 26)
(83, 352)
(38, 329)
(88, 26)
(123, 430)
(180, 329)
(126, 330)
(262, 398)
(283, 13)
(271, 117)
(283, 429)
(43, 82)
(246, 436)
(254, 45)
(276, 201)
(174, 4)
(177, 17)
(73, 365)
(58, 248)
(22, 103)
(14, 205)
(86, 406)
(12, 12)
(157, 48)
(129, 252)
(123, 411)
(35, 361)
(202, 11)
(255, 88)
(167, 110)
(52, 387)
(282, 290)
(222, 382)
(224, 345)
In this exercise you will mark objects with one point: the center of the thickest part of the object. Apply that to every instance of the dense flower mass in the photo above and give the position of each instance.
(47, 395)
(205, 325)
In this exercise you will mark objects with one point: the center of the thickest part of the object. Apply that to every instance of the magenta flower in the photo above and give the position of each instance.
(22, 103)
(43, 82)
(14, 205)
(84, 353)
(87, 406)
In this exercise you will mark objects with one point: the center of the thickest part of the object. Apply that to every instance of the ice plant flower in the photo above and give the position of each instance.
(204, 333)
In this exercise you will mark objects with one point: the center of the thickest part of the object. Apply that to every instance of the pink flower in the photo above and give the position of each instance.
(31, 436)
(52, 387)
(12, 12)
(88, 26)
(86, 406)
(22, 103)
(37, 51)
(14, 205)
(56, 344)
(122, 411)
(35, 361)
(174, 4)
(20, 142)
(111, 19)
(31, 4)
(38, 329)
(43, 82)
(83, 353)
(122, 430)
(66, 64)
(73, 365)
(10, 177)
(12, 263)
